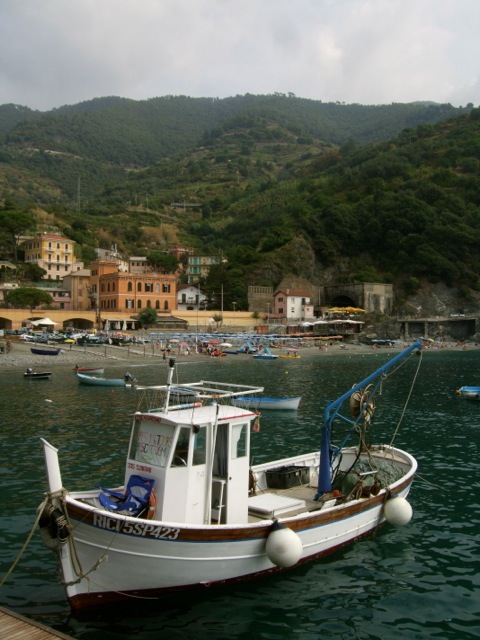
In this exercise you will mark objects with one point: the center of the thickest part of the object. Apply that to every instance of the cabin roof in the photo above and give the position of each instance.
(196, 415)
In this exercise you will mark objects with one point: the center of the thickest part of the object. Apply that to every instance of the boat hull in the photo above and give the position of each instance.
(470, 393)
(90, 371)
(44, 375)
(45, 352)
(93, 381)
(148, 557)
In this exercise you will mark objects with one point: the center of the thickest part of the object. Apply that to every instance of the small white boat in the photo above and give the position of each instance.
(261, 402)
(191, 511)
(470, 393)
(94, 381)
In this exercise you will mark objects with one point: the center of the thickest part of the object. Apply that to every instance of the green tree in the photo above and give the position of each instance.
(13, 224)
(33, 272)
(27, 298)
(148, 317)
(164, 261)
(218, 318)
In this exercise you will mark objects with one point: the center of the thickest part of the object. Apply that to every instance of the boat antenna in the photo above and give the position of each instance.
(171, 369)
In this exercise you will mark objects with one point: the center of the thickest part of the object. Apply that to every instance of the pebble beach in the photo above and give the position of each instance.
(20, 356)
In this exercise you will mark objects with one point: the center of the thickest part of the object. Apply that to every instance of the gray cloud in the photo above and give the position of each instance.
(56, 52)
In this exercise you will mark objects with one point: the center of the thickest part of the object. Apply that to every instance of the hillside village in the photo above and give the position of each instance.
(127, 286)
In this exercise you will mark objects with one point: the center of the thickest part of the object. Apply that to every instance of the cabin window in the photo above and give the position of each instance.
(220, 456)
(180, 455)
(239, 441)
(200, 446)
(151, 443)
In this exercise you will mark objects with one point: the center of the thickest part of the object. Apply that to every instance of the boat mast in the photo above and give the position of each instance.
(325, 475)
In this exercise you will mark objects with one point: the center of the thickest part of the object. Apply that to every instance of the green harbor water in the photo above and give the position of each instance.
(418, 581)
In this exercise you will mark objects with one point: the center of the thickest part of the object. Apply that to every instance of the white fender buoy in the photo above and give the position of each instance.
(283, 546)
(398, 511)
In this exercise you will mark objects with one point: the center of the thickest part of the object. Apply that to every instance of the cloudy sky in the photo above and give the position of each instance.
(57, 52)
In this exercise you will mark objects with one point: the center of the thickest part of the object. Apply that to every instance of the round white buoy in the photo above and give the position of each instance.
(398, 511)
(283, 546)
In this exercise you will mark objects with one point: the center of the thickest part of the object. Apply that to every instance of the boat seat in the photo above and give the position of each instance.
(135, 499)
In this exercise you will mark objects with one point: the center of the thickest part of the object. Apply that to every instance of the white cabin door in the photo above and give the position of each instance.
(236, 508)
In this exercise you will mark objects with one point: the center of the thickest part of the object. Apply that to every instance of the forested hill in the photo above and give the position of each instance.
(137, 133)
(269, 186)
(405, 211)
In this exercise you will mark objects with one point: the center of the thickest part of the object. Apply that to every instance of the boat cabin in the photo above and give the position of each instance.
(198, 455)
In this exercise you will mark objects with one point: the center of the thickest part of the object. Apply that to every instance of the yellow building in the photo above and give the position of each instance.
(52, 252)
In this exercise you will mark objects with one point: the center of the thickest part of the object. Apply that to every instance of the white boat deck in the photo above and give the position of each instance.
(272, 503)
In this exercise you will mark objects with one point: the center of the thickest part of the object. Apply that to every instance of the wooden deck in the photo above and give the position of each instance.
(16, 627)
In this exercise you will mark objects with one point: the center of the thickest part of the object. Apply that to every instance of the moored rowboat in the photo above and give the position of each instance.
(261, 403)
(470, 393)
(37, 375)
(45, 352)
(95, 381)
(90, 371)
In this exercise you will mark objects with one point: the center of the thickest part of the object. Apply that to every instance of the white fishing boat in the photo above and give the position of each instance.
(192, 512)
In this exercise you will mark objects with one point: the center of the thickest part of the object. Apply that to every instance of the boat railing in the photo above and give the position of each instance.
(203, 392)
(206, 389)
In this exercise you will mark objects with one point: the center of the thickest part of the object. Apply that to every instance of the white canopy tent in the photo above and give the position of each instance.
(43, 322)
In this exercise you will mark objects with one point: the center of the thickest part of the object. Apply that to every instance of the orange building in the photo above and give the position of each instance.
(115, 290)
